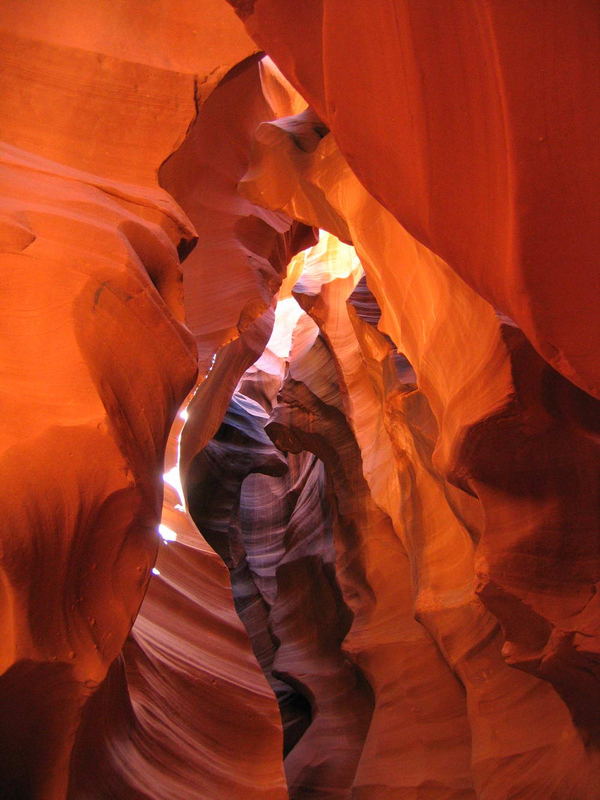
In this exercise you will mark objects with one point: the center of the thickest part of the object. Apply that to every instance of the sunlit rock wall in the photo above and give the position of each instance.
(401, 500)
(95, 362)
(497, 404)
(185, 706)
(164, 662)
(233, 274)
(474, 125)
(268, 516)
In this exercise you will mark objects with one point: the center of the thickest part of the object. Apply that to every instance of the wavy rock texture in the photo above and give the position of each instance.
(267, 516)
(423, 746)
(274, 533)
(95, 363)
(474, 125)
(232, 275)
(195, 705)
(434, 523)
(82, 529)
(401, 499)
(523, 577)
(233, 236)
(439, 547)
(184, 706)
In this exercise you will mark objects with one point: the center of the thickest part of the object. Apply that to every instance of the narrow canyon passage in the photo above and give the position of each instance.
(301, 400)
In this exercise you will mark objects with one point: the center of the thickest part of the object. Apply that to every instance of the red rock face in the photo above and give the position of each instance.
(474, 125)
(275, 536)
(95, 363)
(243, 249)
(475, 744)
(377, 570)
(486, 394)
(184, 704)
(77, 561)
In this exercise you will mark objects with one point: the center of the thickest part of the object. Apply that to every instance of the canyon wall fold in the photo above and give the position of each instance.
(474, 125)
(299, 371)
(429, 313)
(95, 364)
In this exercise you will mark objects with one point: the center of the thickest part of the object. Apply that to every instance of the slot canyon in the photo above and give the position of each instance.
(300, 386)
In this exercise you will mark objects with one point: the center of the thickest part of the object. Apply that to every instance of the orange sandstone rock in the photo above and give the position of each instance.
(83, 454)
(232, 276)
(447, 646)
(95, 362)
(430, 314)
(474, 125)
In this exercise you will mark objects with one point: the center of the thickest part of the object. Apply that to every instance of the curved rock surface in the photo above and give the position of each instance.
(267, 516)
(474, 125)
(428, 312)
(184, 706)
(396, 475)
(232, 276)
(82, 530)
(419, 748)
(95, 363)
